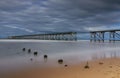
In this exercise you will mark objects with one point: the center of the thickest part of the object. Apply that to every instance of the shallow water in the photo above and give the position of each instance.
(12, 56)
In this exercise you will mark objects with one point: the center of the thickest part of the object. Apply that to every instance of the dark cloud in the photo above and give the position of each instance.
(14, 5)
(57, 15)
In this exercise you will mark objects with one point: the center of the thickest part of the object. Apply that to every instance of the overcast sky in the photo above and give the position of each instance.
(19, 17)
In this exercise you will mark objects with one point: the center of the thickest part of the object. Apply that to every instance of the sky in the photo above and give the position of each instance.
(20, 17)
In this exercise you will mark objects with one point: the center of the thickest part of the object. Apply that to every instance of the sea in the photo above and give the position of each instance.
(12, 55)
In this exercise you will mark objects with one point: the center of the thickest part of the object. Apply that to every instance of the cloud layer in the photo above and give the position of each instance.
(19, 17)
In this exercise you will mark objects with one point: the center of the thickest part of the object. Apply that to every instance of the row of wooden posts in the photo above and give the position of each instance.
(35, 53)
(60, 61)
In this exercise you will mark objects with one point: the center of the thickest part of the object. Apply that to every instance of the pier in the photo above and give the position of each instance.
(68, 36)
(95, 36)
(100, 35)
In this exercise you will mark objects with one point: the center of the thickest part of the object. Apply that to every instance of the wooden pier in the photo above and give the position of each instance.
(100, 35)
(68, 36)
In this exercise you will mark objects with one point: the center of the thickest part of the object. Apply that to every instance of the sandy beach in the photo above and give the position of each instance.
(101, 68)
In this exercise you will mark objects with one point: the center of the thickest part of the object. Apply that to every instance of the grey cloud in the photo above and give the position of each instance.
(59, 15)
(20, 28)
(14, 5)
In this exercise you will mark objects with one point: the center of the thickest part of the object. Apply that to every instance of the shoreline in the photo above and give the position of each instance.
(101, 68)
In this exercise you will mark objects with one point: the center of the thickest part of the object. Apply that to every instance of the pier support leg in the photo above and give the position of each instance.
(112, 36)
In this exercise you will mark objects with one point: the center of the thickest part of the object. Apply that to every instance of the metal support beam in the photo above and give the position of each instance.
(112, 36)
(97, 36)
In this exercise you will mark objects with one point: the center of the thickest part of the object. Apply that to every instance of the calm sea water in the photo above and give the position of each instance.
(12, 56)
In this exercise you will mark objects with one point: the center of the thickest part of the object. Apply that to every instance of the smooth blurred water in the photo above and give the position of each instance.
(12, 56)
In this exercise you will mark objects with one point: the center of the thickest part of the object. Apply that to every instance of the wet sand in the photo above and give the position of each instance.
(101, 68)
